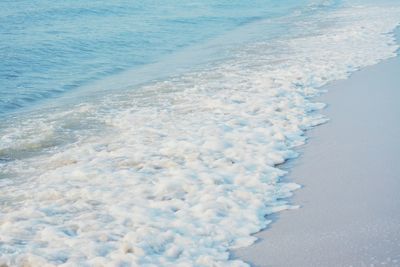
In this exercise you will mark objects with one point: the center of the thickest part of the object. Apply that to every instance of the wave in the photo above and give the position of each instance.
(49, 50)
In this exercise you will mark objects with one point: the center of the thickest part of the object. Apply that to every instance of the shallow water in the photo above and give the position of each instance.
(49, 47)
(171, 162)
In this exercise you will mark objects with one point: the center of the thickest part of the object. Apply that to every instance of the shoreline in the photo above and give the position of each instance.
(349, 213)
(181, 170)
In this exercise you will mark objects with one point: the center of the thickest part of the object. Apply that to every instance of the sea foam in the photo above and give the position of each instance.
(184, 170)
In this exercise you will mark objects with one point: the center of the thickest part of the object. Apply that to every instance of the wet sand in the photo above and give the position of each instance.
(350, 170)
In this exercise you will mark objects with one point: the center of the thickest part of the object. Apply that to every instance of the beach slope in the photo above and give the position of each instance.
(350, 171)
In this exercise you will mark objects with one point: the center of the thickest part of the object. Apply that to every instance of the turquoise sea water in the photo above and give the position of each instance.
(50, 47)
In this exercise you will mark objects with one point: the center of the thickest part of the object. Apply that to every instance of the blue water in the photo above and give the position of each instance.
(48, 48)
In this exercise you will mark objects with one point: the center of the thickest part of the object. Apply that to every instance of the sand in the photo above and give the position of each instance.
(350, 170)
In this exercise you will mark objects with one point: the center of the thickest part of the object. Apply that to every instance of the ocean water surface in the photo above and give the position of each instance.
(48, 47)
(148, 133)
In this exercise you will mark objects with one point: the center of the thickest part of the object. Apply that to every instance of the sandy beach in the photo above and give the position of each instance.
(350, 204)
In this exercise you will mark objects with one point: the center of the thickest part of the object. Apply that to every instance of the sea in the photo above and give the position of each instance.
(150, 133)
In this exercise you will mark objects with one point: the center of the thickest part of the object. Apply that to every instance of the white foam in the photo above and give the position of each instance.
(182, 175)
